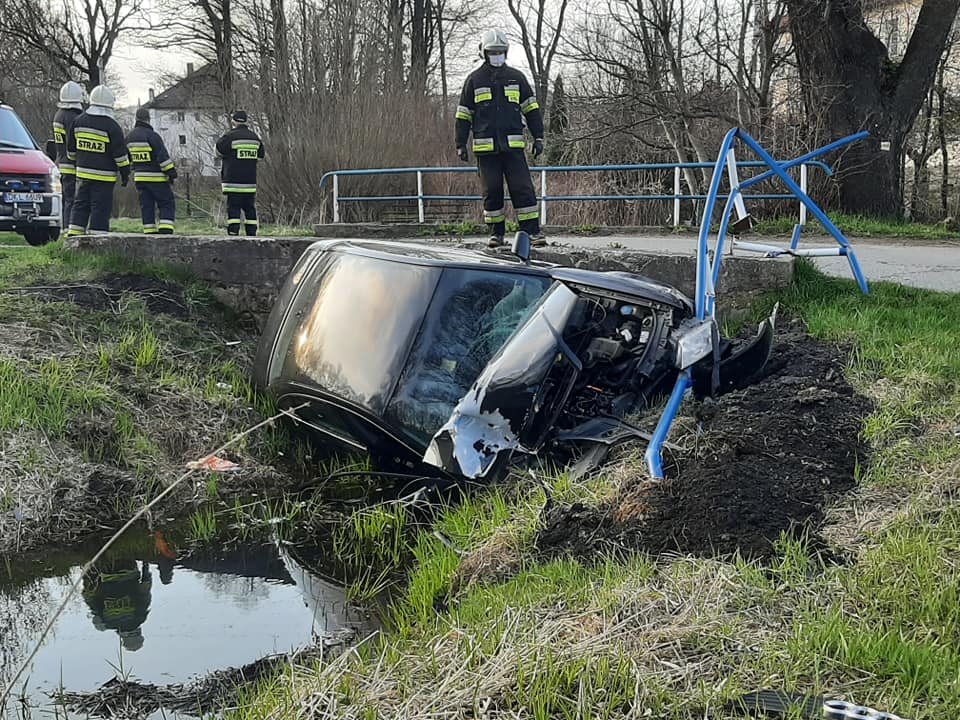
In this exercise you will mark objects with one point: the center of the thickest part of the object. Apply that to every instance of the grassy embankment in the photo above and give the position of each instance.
(104, 398)
(485, 627)
(858, 226)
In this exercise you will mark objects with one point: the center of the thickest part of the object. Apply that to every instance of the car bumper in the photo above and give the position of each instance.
(20, 217)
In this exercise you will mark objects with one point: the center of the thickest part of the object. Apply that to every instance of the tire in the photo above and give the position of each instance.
(39, 237)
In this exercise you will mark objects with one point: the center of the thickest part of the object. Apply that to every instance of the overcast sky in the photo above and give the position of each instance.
(136, 69)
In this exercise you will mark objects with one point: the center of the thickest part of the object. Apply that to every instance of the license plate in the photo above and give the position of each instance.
(20, 197)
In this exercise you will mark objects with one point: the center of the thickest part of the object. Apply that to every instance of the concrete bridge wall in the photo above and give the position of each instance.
(246, 273)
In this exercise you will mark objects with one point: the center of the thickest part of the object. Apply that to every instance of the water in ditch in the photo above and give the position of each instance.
(149, 614)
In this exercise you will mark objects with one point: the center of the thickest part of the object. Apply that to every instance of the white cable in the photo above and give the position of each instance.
(100, 553)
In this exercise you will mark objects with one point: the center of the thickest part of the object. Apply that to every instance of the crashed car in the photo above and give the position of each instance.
(450, 362)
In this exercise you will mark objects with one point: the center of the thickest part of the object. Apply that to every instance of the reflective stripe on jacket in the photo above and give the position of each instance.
(151, 161)
(96, 144)
(62, 125)
(495, 103)
(241, 149)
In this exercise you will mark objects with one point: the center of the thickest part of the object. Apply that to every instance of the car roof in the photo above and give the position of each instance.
(446, 256)
(435, 254)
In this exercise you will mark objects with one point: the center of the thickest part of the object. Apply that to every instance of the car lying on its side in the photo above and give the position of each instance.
(447, 362)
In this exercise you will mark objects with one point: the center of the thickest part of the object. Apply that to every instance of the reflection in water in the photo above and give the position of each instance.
(210, 611)
(118, 594)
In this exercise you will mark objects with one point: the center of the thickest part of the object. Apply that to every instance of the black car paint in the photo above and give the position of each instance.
(524, 401)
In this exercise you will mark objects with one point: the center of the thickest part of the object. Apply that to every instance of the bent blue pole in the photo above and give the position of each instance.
(708, 274)
(812, 155)
(653, 455)
(709, 207)
(814, 209)
(718, 249)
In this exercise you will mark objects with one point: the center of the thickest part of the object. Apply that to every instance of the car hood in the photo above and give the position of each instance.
(626, 283)
(15, 161)
(507, 398)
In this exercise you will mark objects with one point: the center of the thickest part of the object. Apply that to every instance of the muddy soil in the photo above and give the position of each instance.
(108, 293)
(757, 462)
(131, 699)
(119, 698)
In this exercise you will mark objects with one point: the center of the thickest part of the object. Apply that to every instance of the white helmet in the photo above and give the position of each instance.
(71, 96)
(493, 41)
(101, 101)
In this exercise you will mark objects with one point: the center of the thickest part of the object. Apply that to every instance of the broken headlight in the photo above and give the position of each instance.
(694, 342)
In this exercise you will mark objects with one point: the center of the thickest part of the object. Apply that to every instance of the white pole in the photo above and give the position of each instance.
(735, 184)
(803, 186)
(543, 197)
(420, 195)
(336, 198)
(676, 196)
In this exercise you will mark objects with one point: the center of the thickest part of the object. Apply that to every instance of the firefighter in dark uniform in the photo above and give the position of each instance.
(69, 107)
(118, 595)
(153, 174)
(97, 147)
(240, 150)
(495, 102)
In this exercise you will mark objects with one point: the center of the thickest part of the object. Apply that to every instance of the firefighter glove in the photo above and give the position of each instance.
(538, 147)
(124, 179)
(462, 154)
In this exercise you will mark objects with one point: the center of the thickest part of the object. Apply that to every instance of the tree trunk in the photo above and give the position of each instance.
(848, 76)
(420, 34)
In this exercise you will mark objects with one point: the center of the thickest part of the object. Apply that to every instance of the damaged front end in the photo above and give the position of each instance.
(586, 358)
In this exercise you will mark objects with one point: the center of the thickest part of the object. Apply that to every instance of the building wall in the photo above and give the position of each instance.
(893, 21)
(190, 137)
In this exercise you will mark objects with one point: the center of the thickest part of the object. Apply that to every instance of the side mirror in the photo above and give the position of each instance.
(51, 150)
(521, 246)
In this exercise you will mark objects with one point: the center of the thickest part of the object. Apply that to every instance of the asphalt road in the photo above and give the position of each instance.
(935, 266)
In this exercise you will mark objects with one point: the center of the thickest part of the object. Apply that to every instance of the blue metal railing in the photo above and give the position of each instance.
(677, 197)
(709, 259)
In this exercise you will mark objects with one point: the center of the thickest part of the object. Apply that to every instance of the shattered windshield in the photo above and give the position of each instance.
(471, 316)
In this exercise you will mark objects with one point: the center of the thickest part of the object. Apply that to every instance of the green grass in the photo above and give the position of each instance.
(482, 622)
(858, 226)
(122, 386)
(203, 525)
(12, 239)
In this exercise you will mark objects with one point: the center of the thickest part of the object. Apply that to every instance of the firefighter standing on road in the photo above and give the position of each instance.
(153, 174)
(495, 102)
(70, 107)
(97, 147)
(240, 149)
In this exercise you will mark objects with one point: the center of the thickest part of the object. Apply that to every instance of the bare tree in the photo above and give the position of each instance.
(76, 38)
(847, 72)
(207, 28)
(748, 52)
(541, 28)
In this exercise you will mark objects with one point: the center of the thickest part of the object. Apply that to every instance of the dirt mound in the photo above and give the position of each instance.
(761, 461)
(107, 294)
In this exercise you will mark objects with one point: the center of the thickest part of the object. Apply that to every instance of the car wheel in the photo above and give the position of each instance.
(38, 237)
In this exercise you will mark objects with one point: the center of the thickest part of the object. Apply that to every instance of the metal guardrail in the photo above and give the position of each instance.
(677, 197)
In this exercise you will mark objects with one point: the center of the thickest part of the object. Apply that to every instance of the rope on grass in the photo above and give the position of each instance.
(109, 543)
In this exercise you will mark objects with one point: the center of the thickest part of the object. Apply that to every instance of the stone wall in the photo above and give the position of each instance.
(247, 273)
